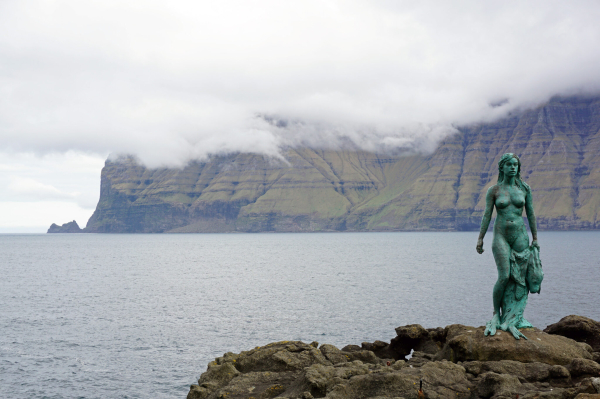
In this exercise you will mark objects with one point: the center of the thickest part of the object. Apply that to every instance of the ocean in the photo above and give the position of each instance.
(140, 316)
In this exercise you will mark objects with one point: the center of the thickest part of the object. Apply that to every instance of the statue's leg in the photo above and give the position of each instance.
(513, 306)
(501, 251)
(521, 241)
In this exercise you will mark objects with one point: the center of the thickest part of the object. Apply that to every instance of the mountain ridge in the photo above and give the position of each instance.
(352, 190)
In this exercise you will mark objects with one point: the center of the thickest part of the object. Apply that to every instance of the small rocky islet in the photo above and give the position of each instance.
(561, 362)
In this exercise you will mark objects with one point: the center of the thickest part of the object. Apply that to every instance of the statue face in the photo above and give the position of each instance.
(511, 167)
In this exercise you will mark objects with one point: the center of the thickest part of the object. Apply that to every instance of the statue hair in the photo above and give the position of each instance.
(520, 183)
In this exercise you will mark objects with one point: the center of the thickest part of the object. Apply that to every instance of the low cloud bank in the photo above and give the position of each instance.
(174, 81)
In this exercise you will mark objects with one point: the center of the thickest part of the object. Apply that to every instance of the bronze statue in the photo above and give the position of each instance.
(518, 263)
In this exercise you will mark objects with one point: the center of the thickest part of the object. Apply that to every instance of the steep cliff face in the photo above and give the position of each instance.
(316, 190)
(559, 145)
(311, 190)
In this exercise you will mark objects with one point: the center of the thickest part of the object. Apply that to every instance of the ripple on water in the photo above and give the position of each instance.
(136, 316)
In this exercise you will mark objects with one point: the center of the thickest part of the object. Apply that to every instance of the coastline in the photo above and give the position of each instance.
(563, 361)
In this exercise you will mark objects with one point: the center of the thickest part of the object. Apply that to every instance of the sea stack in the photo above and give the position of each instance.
(70, 227)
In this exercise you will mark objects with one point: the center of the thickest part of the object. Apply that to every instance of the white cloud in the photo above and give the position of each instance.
(54, 188)
(22, 217)
(35, 190)
(175, 80)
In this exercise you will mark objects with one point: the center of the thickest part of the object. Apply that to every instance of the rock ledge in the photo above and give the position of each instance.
(452, 362)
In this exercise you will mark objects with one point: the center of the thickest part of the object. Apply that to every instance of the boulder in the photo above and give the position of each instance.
(320, 379)
(351, 348)
(559, 372)
(468, 365)
(527, 372)
(280, 356)
(217, 376)
(415, 337)
(596, 384)
(440, 380)
(381, 349)
(499, 385)
(578, 328)
(584, 367)
(465, 343)
(333, 354)
(261, 385)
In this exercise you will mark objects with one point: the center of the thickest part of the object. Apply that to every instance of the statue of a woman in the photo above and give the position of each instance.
(518, 263)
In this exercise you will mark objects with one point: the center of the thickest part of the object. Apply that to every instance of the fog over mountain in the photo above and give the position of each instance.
(174, 81)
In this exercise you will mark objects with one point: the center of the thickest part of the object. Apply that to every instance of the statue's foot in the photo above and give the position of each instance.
(492, 325)
(516, 333)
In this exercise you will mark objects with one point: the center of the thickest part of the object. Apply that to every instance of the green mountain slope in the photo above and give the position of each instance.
(320, 190)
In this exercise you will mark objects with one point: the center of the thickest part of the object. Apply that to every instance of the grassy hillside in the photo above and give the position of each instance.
(321, 190)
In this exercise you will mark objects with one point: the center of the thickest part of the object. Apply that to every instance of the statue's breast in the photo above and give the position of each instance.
(517, 198)
(502, 201)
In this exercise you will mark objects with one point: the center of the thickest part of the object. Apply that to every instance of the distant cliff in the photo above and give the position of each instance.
(324, 190)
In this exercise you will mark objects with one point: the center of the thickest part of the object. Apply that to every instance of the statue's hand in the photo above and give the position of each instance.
(479, 246)
(534, 243)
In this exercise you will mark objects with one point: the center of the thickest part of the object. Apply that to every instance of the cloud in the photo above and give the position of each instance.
(36, 190)
(71, 177)
(21, 217)
(172, 81)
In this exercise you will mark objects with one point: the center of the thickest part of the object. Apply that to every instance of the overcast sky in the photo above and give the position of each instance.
(174, 80)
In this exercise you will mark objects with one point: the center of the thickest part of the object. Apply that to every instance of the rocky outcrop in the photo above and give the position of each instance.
(71, 227)
(452, 362)
(468, 343)
(327, 190)
(579, 328)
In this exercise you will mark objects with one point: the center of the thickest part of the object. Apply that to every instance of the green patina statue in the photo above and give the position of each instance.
(518, 263)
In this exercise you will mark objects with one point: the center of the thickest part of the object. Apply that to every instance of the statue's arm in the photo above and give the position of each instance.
(487, 217)
(531, 218)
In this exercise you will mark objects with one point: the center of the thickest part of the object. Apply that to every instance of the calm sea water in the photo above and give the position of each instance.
(139, 316)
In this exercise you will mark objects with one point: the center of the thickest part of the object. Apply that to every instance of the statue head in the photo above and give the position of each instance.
(502, 162)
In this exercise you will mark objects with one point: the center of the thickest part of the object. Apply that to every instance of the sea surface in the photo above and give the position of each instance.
(140, 316)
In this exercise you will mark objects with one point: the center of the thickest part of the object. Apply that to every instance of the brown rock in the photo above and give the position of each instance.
(560, 393)
(381, 349)
(579, 328)
(559, 372)
(545, 366)
(440, 380)
(493, 384)
(333, 354)
(465, 343)
(351, 348)
(320, 379)
(586, 386)
(414, 336)
(414, 332)
(217, 376)
(260, 385)
(579, 367)
(363, 356)
(530, 372)
(596, 383)
(280, 356)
